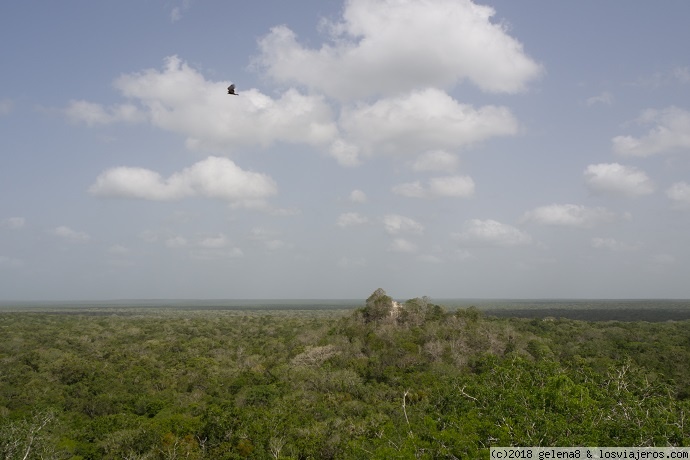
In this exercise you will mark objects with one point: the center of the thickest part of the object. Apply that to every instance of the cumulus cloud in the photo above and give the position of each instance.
(396, 224)
(69, 234)
(569, 215)
(394, 46)
(358, 196)
(214, 242)
(177, 11)
(659, 79)
(491, 233)
(679, 193)
(210, 247)
(618, 179)
(179, 99)
(670, 132)
(176, 242)
(13, 222)
(422, 120)
(448, 186)
(262, 234)
(345, 153)
(605, 98)
(451, 186)
(411, 190)
(613, 245)
(350, 219)
(215, 254)
(682, 74)
(269, 239)
(402, 245)
(214, 177)
(435, 160)
(275, 245)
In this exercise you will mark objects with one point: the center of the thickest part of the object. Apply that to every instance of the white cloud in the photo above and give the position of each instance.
(181, 100)
(345, 153)
(205, 247)
(260, 233)
(618, 179)
(569, 215)
(176, 12)
(613, 245)
(350, 219)
(451, 186)
(419, 121)
(435, 160)
(396, 224)
(176, 242)
(268, 238)
(214, 242)
(679, 193)
(275, 245)
(216, 254)
(448, 186)
(95, 114)
(659, 79)
(682, 74)
(402, 245)
(397, 45)
(491, 233)
(605, 98)
(430, 259)
(214, 177)
(13, 222)
(411, 190)
(358, 196)
(671, 132)
(70, 235)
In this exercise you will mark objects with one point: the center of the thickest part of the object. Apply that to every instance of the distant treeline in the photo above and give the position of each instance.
(595, 314)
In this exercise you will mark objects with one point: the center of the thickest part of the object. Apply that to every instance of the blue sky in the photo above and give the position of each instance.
(446, 148)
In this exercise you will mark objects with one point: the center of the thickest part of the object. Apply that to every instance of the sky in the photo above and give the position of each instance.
(441, 148)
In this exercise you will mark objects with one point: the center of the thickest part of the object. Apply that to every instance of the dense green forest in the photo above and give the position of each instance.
(384, 381)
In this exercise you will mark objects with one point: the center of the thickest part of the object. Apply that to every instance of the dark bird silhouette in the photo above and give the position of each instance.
(231, 90)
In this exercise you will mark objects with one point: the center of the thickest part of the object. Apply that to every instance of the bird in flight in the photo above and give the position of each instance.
(231, 90)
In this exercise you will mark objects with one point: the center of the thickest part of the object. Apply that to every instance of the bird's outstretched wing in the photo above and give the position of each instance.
(231, 89)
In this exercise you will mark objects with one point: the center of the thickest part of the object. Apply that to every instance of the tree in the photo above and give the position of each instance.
(378, 306)
(19, 439)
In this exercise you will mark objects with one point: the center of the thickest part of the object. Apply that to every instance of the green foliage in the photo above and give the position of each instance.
(378, 306)
(414, 382)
